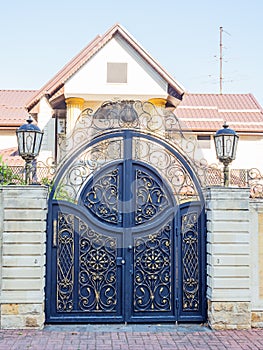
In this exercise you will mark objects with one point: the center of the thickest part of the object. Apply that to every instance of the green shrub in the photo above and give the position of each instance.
(7, 176)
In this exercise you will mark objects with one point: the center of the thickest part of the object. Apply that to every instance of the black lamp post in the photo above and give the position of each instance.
(226, 140)
(29, 139)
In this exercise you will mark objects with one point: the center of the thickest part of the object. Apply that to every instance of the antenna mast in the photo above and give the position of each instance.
(221, 60)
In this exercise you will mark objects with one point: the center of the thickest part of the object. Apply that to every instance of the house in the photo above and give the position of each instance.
(115, 67)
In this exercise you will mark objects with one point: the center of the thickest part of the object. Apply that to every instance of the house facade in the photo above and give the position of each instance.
(115, 67)
(130, 230)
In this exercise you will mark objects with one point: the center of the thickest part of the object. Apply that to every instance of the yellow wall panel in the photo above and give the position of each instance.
(260, 244)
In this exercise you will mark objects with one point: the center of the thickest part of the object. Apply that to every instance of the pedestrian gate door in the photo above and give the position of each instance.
(125, 244)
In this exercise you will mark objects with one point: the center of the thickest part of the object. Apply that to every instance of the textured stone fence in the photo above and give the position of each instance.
(256, 234)
(23, 211)
(228, 258)
(234, 258)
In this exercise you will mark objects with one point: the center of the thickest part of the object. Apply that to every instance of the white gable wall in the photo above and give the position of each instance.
(47, 124)
(248, 149)
(90, 81)
(8, 139)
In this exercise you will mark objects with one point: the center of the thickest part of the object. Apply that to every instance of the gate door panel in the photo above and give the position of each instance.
(192, 262)
(153, 293)
(87, 272)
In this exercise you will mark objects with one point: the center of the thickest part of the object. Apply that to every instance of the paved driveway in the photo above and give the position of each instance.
(136, 337)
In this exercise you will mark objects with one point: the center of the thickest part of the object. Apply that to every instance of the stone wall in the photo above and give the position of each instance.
(256, 234)
(228, 258)
(23, 211)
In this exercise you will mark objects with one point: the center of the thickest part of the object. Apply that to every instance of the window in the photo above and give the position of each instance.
(116, 72)
(203, 141)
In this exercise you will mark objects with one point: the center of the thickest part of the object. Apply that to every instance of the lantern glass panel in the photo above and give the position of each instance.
(235, 147)
(219, 146)
(20, 141)
(29, 142)
(37, 143)
(228, 142)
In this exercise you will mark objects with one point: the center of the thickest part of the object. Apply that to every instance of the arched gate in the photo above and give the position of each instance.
(126, 237)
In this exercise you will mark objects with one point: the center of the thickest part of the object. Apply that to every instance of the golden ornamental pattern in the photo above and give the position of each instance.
(102, 198)
(169, 166)
(152, 271)
(84, 165)
(97, 271)
(190, 268)
(65, 262)
(150, 197)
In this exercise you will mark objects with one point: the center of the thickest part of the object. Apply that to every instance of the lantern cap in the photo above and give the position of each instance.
(226, 131)
(29, 126)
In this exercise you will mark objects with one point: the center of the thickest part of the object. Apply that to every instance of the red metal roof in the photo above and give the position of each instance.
(10, 157)
(221, 101)
(12, 107)
(197, 112)
(208, 112)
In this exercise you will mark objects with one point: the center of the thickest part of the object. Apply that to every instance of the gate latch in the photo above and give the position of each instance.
(120, 261)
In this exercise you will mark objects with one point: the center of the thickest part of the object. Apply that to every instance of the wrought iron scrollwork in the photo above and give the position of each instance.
(152, 261)
(255, 182)
(97, 271)
(90, 160)
(150, 197)
(121, 114)
(137, 116)
(128, 114)
(65, 262)
(114, 115)
(169, 167)
(190, 265)
(102, 198)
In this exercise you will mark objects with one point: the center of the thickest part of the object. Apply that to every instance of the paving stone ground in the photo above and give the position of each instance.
(130, 337)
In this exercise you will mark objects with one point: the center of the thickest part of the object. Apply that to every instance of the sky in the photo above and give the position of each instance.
(37, 38)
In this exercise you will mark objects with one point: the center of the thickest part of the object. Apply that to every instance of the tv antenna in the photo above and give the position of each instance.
(221, 61)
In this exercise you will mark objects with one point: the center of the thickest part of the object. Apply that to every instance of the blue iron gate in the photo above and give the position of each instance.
(124, 243)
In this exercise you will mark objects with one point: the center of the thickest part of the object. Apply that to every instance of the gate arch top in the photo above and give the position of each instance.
(156, 153)
(116, 116)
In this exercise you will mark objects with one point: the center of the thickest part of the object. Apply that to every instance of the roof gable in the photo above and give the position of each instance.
(57, 82)
(140, 80)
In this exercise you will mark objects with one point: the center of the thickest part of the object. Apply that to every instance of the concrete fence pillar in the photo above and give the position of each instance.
(23, 211)
(256, 231)
(228, 258)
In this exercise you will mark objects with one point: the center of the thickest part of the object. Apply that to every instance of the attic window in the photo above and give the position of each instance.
(116, 72)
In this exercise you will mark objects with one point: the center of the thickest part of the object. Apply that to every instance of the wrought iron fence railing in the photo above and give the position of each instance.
(211, 176)
(42, 173)
(251, 178)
